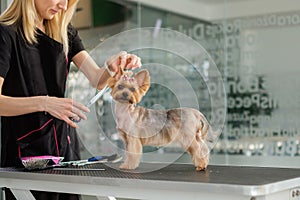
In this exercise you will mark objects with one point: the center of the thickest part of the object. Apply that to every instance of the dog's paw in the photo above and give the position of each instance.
(127, 166)
(200, 168)
(201, 164)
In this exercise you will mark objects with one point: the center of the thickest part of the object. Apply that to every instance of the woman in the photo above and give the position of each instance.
(37, 44)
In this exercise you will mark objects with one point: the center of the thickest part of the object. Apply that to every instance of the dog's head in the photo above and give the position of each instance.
(127, 88)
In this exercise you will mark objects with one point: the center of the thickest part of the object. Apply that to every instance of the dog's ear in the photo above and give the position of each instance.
(143, 80)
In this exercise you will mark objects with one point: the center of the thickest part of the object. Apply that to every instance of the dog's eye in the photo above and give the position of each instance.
(120, 87)
(132, 89)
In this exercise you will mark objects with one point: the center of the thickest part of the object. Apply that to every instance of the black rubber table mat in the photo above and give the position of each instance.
(238, 175)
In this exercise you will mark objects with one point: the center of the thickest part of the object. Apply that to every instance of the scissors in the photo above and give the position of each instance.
(92, 101)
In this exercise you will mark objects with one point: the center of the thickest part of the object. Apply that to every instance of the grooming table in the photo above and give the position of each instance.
(176, 181)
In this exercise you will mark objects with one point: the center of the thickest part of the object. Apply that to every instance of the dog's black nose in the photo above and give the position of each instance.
(125, 94)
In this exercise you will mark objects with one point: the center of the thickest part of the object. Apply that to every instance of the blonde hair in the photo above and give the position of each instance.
(23, 15)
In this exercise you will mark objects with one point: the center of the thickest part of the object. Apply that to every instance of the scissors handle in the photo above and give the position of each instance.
(75, 120)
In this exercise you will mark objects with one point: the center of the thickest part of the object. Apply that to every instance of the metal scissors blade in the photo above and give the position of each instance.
(97, 96)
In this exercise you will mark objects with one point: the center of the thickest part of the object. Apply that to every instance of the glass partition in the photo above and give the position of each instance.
(256, 54)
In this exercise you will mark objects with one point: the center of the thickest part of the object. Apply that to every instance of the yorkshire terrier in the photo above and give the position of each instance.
(139, 126)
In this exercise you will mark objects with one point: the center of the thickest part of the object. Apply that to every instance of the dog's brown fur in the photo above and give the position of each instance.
(140, 126)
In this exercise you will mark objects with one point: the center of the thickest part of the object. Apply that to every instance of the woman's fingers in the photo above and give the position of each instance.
(67, 109)
(77, 111)
(133, 62)
(124, 60)
(69, 121)
(78, 108)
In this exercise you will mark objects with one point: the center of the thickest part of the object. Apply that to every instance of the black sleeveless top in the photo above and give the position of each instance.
(34, 70)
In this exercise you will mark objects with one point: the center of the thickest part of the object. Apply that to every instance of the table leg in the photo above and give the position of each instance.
(22, 194)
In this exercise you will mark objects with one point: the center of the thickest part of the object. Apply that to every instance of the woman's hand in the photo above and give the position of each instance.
(123, 60)
(65, 109)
